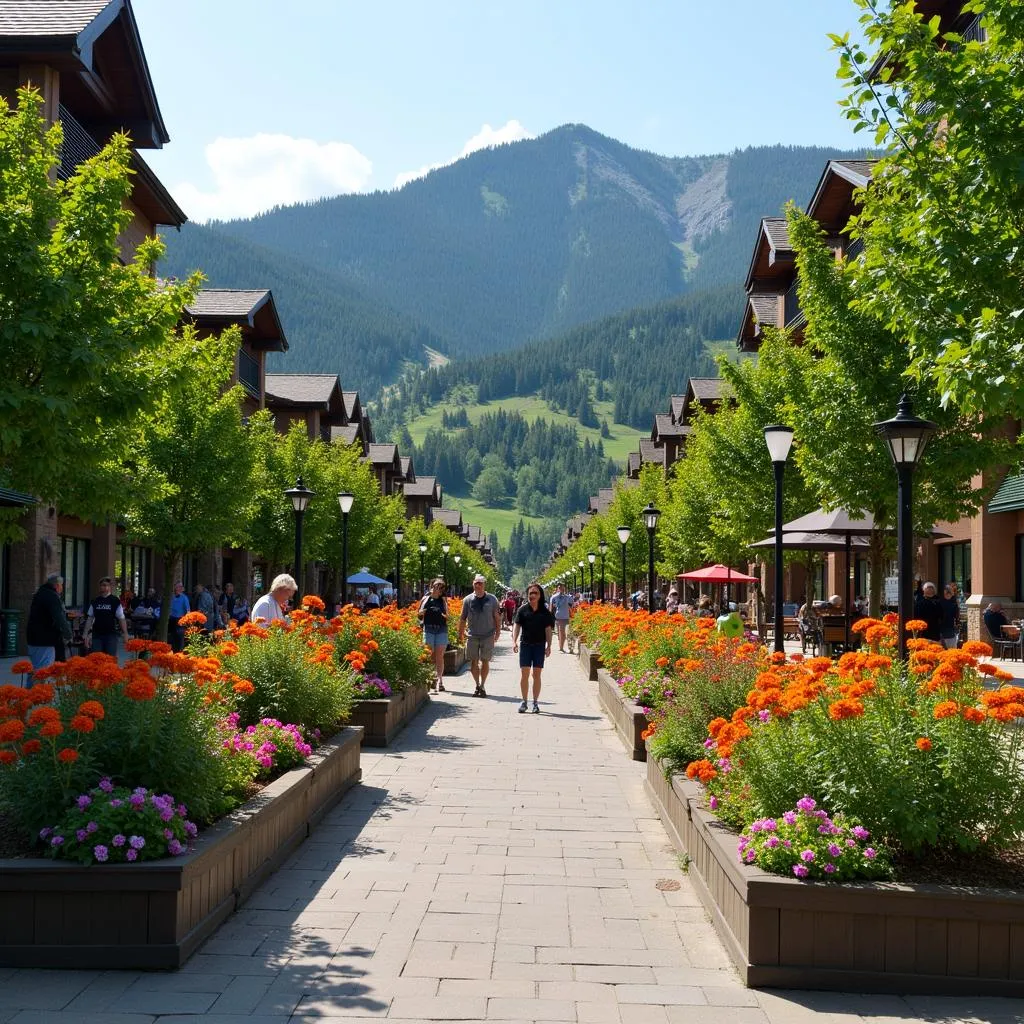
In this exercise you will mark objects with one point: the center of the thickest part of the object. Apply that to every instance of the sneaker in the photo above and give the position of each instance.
(536, 708)
(483, 692)
(522, 708)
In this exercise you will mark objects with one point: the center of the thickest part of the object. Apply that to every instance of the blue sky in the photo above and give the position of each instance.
(269, 102)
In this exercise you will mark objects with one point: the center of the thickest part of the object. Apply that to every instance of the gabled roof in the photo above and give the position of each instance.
(352, 407)
(421, 487)
(651, 452)
(832, 201)
(384, 455)
(761, 309)
(677, 406)
(151, 196)
(773, 253)
(705, 389)
(315, 390)
(633, 463)
(405, 461)
(451, 517)
(348, 434)
(664, 426)
(252, 308)
(475, 534)
(605, 497)
(67, 34)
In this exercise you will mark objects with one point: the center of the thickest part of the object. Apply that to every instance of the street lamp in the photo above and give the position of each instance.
(423, 551)
(651, 516)
(582, 581)
(603, 548)
(345, 500)
(458, 576)
(444, 572)
(624, 533)
(399, 537)
(300, 496)
(779, 439)
(591, 558)
(906, 436)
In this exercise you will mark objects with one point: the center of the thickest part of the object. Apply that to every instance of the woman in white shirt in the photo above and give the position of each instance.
(271, 606)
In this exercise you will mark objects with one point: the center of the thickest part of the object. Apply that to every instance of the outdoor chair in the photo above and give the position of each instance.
(1009, 644)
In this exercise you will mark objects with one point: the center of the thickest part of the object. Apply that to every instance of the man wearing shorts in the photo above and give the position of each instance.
(535, 623)
(561, 607)
(482, 614)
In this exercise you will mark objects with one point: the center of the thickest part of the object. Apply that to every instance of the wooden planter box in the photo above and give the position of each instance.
(851, 937)
(155, 914)
(385, 718)
(454, 660)
(590, 661)
(628, 719)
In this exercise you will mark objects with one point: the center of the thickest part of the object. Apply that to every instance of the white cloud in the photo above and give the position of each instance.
(512, 131)
(256, 173)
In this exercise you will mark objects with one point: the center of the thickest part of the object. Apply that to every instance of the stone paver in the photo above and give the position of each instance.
(492, 866)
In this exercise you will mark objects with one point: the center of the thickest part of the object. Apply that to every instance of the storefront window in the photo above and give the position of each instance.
(74, 567)
(132, 568)
(955, 567)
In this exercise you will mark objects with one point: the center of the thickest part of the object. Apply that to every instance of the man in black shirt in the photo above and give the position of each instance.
(536, 624)
(928, 608)
(102, 620)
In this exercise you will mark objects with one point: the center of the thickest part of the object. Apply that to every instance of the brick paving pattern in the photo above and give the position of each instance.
(492, 866)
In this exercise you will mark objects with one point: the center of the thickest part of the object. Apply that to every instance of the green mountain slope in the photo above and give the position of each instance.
(331, 326)
(522, 241)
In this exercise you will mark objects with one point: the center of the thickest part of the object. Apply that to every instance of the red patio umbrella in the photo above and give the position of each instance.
(717, 574)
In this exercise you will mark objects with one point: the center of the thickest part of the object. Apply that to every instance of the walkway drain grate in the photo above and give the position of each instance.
(666, 884)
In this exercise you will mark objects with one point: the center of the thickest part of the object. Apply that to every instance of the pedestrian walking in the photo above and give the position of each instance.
(482, 615)
(273, 606)
(433, 613)
(47, 629)
(206, 604)
(536, 624)
(950, 617)
(103, 620)
(561, 608)
(180, 607)
(929, 609)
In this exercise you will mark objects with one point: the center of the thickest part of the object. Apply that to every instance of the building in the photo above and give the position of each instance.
(312, 399)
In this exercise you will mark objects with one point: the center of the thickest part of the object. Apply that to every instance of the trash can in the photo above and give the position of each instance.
(11, 618)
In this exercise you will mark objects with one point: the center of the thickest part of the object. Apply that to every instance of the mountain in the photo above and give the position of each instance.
(518, 242)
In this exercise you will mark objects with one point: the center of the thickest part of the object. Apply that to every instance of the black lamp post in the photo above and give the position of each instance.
(583, 582)
(906, 436)
(445, 548)
(300, 496)
(779, 438)
(591, 558)
(458, 576)
(423, 551)
(603, 548)
(399, 537)
(651, 516)
(624, 533)
(345, 500)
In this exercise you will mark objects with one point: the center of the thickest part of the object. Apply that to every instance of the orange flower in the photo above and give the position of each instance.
(31, 747)
(140, 689)
(22, 666)
(82, 723)
(243, 688)
(703, 771)
(192, 619)
(916, 625)
(661, 662)
(12, 731)
(648, 732)
(946, 709)
(68, 755)
(51, 728)
(8, 757)
(92, 708)
(977, 649)
(40, 716)
(923, 743)
(974, 715)
(312, 603)
(846, 708)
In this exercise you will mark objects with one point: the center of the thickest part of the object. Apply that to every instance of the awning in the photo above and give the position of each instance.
(1010, 496)
(14, 499)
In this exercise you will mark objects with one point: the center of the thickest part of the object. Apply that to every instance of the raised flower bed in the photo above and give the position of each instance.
(627, 717)
(454, 660)
(590, 661)
(384, 717)
(855, 937)
(155, 914)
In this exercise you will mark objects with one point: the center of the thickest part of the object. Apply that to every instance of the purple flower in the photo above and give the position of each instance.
(789, 817)
(755, 826)
(764, 715)
(45, 833)
(800, 871)
(850, 843)
(106, 785)
(81, 834)
(860, 832)
(83, 801)
(834, 850)
(709, 743)
(807, 856)
(100, 852)
(750, 855)
(174, 848)
(771, 842)
(191, 829)
(787, 843)
(770, 824)
(119, 840)
(829, 868)
(91, 827)
(168, 834)
(713, 803)
(136, 842)
(805, 803)
(870, 853)
(137, 800)
(131, 854)
(116, 803)
(57, 841)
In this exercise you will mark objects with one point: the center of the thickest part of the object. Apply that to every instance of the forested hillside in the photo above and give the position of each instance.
(519, 242)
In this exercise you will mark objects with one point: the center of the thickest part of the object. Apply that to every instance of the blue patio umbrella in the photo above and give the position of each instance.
(364, 576)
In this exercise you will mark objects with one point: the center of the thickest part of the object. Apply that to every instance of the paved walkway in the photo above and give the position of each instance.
(492, 866)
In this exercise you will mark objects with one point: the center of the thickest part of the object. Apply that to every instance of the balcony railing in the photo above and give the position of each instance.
(249, 373)
(854, 249)
(792, 314)
(78, 146)
(972, 31)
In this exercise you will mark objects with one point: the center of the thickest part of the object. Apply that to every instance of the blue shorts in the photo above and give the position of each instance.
(531, 655)
(435, 637)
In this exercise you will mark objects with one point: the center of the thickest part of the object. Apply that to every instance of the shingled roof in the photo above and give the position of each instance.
(706, 389)
(407, 469)
(348, 434)
(382, 454)
(309, 389)
(633, 463)
(652, 453)
(246, 307)
(451, 517)
(677, 406)
(665, 426)
(421, 487)
(352, 409)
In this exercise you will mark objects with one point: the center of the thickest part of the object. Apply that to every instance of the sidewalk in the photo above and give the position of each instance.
(492, 866)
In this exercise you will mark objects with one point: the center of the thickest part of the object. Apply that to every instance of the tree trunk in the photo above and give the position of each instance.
(170, 561)
(876, 559)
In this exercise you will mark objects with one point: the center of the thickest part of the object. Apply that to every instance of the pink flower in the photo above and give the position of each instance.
(800, 871)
